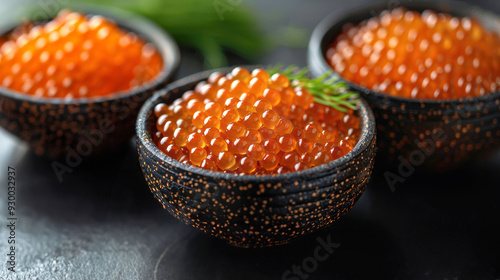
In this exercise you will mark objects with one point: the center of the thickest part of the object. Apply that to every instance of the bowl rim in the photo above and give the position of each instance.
(316, 55)
(144, 28)
(144, 137)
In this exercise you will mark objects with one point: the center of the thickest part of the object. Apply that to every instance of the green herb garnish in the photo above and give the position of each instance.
(326, 89)
(211, 27)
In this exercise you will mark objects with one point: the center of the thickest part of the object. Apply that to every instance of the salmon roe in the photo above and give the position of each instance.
(218, 127)
(75, 56)
(424, 55)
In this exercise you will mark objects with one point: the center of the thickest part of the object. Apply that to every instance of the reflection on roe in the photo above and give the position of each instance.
(250, 123)
(425, 55)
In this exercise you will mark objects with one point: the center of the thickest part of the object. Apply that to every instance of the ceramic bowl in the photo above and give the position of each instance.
(253, 211)
(435, 134)
(56, 127)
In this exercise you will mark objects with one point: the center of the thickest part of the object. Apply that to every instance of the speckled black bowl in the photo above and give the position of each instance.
(253, 211)
(436, 134)
(86, 126)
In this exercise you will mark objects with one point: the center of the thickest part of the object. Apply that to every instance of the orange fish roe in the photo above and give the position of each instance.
(250, 123)
(75, 56)
(428, 56)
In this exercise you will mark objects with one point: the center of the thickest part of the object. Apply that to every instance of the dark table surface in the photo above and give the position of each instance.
(102, 222)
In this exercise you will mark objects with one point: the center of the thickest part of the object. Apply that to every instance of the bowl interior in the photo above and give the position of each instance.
(330, 27)
(146, 125)
(164, 43)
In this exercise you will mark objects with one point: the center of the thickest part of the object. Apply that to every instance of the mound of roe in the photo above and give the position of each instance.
(74, 56)
(424, 55)
(250, 123)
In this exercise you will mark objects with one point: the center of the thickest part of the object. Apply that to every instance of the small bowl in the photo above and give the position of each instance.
(56, 127)
(253, 211)
(435, 134)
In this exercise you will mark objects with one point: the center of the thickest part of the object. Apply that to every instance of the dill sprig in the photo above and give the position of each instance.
(326, 89)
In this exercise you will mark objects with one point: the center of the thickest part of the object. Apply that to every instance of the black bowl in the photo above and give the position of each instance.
(54, 127)
(253, 211)
(437, 134)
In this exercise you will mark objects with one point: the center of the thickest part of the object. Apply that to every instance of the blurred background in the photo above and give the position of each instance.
(102, 222)
(254, 30)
